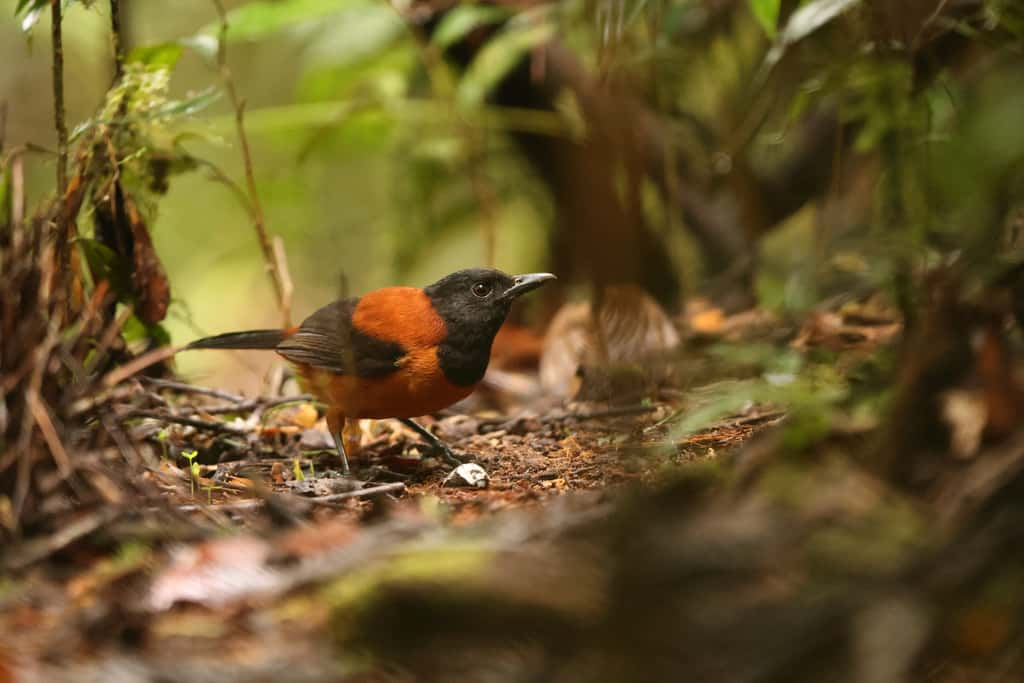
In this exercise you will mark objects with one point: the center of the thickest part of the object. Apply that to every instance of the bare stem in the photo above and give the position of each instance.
(58, 98)
(259, 222)
(117, 37)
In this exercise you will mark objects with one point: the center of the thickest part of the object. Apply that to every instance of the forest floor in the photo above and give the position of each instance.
(160, 593)
(231, 549)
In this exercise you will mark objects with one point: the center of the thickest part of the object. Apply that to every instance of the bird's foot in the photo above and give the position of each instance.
(447, 455)
(436, 445)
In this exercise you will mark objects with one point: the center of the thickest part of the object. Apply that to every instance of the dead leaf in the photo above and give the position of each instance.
(213, 573)
(149, 281)
(628, 329)
(303, 415)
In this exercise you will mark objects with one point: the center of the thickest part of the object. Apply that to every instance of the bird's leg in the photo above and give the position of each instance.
(337, 424)
(339, 445)
(435, 442)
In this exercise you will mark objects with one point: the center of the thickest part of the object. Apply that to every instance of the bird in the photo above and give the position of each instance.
(396, 352)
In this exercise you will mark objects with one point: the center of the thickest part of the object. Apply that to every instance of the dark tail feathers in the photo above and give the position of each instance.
(250, 339)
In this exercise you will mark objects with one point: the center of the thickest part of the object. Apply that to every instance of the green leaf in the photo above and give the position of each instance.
(136, 330)
(33, 10)
(202, 44)
(258, 19)
(460, 21)
(163, 55)
(354, 35)
(767, 14)
(185, 107)
(498, 57)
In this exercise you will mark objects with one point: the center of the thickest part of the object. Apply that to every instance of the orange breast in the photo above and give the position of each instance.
(406, 316)
(418, 387)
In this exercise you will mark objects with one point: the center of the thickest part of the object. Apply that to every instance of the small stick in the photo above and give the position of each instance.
(115, 30)
(393, 487)
(259, 502)
(255, 403)
(118, 375)
(30, 552)
(49, 431)
(212, 426)
(258, 219)
(287, 289)
(194, 389)
(58, 98)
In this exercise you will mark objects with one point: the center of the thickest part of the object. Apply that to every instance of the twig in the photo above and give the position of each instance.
(49, 431)
(58, 98)
(500, 423)
(209, 425)
(600, 414)
(110, 335)
(119, 374)
(30, 552)
(259, 222)
(281, 263)
(255, 403)
(193, 389)
(393, 487)
(396, 487)
(115, 31)
(17, 190)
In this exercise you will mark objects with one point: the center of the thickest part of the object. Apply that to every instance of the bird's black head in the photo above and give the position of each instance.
(474, 303)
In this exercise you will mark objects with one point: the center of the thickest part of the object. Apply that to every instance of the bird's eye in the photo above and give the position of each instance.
(482, 290)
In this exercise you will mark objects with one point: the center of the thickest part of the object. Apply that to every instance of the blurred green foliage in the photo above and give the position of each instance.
(370, 151)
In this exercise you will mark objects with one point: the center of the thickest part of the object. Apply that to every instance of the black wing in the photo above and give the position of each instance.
(327, 340)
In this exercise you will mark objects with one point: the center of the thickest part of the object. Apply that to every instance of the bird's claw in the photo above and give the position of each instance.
(449, 457)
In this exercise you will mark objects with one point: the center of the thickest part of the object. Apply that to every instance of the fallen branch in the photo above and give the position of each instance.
(396, 487)
(209, 425)
(193, 389)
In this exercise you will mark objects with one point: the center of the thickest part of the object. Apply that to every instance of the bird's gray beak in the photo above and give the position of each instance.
(525, 283)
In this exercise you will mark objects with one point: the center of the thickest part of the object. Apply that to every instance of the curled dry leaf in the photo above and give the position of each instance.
(851, 328)
(136, 271)
(149, 281)
(625, 337)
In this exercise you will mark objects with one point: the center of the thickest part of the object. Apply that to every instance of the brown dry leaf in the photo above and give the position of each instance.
(845, 331)
(708, 322)
(1003, 395)
(703, 317)
(149, 281)
(303, 415)
(629, 328)
(213, 573)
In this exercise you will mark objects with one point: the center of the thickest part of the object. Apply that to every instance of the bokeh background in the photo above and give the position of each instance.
(340, 189)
